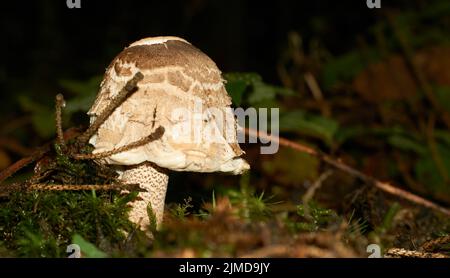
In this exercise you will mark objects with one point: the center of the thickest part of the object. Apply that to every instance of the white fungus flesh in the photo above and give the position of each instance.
(182, 91)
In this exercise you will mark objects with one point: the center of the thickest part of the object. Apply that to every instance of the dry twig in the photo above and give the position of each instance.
(14, 187)
(158, 133)
(60, 103)
(435, 244)
(129, 88)
(312, 189)
(80, 187)
(386, 187)
(403, 253)
(126, 91)
(11, 170)
(313, 85)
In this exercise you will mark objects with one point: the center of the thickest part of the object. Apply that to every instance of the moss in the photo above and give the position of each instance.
(42, 224)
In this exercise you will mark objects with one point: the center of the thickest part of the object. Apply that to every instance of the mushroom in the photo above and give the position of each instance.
(183, 92)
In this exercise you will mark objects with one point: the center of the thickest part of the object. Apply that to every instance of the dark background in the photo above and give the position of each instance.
(50, 38)
(44, 41)
(383, 108)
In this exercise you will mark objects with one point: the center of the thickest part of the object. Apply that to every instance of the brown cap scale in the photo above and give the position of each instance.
(182, 91)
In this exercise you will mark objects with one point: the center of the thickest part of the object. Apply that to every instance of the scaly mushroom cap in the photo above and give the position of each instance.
(184, 92)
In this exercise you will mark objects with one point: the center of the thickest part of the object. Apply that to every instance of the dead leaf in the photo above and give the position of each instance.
(391, 78)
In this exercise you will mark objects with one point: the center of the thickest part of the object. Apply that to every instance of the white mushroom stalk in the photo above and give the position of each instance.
(154, 180)
(183, 92)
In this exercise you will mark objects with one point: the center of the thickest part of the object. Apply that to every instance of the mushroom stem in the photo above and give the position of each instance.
(153, 180)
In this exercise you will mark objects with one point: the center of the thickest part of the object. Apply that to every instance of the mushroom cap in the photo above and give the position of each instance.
(182, 91)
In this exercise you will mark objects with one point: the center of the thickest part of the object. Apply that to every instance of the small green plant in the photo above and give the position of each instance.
(314, 218)
(180, 211)
(88, 249)
(152, 218)
(249, 204)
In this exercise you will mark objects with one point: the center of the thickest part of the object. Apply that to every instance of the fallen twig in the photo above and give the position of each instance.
(12, 169)
(317, 93)
(80, 187)
(15, 187)
(60, 103)
(312, 189)
(386, 187)
(16, 166)
(403, 253)
(124, 93)
(435, 244)
(158, 133)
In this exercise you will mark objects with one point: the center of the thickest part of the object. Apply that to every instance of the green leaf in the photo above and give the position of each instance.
(246, 77)
(250, 87)
(236, 89)
(85, 93)
(311, 125)
(238, 82)
(443, 136)
(79, 104)
(261, 92)
(88, 87)
(407, 144)
(430, 176)
(351, 132)
(44, 123)
(280, 167)
(443, 96)
(42, 117)
(88, 249)
(347, 133)
(346, 67)
(124, 199)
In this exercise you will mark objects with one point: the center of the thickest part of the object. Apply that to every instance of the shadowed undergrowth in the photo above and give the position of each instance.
(382, 107)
